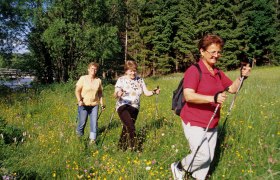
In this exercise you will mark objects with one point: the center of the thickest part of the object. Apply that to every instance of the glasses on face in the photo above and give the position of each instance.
(213, 53)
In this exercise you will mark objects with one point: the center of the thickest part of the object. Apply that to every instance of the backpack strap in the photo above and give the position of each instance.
(219, 73)
(200, 73)
(199, 70)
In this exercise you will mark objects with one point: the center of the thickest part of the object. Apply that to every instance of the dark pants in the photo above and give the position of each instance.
(128, 116)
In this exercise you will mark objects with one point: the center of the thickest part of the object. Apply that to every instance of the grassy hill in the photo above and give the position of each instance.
(38, 138)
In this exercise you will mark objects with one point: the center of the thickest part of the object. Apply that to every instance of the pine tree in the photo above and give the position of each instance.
(147, 32)
(136, 46)
(274, 57)
(260, 29)
(218, 17)
(184, 43)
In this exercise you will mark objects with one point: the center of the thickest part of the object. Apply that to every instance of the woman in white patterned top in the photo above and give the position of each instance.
(128, 90)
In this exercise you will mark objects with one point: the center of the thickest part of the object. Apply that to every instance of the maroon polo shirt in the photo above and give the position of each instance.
(200, 114)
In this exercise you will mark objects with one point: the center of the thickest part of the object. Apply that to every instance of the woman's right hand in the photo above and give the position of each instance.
(81, 103)
(221, 97)
(119, 93)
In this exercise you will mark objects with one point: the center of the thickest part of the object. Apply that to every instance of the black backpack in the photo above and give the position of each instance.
(178, 100)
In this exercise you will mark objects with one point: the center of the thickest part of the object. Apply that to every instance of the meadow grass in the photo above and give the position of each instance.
(49, 147)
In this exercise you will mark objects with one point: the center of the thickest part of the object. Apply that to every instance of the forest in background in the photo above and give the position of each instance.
(63, 36)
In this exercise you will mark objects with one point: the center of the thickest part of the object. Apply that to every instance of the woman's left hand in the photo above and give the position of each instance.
(245, 71)
(156, 91)
(103, 107)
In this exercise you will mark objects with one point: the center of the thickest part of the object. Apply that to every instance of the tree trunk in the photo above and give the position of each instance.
(154, 69)
(48, 65)
(125, 46)
(176, 66)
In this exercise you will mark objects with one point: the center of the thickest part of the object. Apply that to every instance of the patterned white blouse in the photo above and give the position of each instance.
(132, 90)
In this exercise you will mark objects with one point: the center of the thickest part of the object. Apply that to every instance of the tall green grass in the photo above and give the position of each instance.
(49, 147)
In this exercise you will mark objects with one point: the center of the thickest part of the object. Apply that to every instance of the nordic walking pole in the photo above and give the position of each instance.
(203, 137)
(156, 102)
(234, 98)
(102, 109)
(99, 115)
(112, 115)
(156, 115)
(231, 105)
(107, 127)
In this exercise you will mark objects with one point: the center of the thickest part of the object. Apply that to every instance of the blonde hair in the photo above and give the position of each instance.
(93, 64)
(130, 65)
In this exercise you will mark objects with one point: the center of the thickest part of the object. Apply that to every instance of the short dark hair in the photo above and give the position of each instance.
(209, 39)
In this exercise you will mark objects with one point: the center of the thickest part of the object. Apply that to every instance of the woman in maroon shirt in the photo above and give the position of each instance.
(202, 96)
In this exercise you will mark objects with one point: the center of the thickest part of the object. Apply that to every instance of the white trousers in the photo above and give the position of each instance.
(205, 154)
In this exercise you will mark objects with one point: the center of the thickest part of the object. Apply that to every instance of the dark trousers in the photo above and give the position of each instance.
(128, 116)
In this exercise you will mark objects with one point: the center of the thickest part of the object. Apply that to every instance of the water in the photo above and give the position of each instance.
(18, 83)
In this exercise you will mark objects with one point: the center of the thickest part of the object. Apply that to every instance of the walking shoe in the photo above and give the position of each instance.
(177, 174)
(92, 142)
